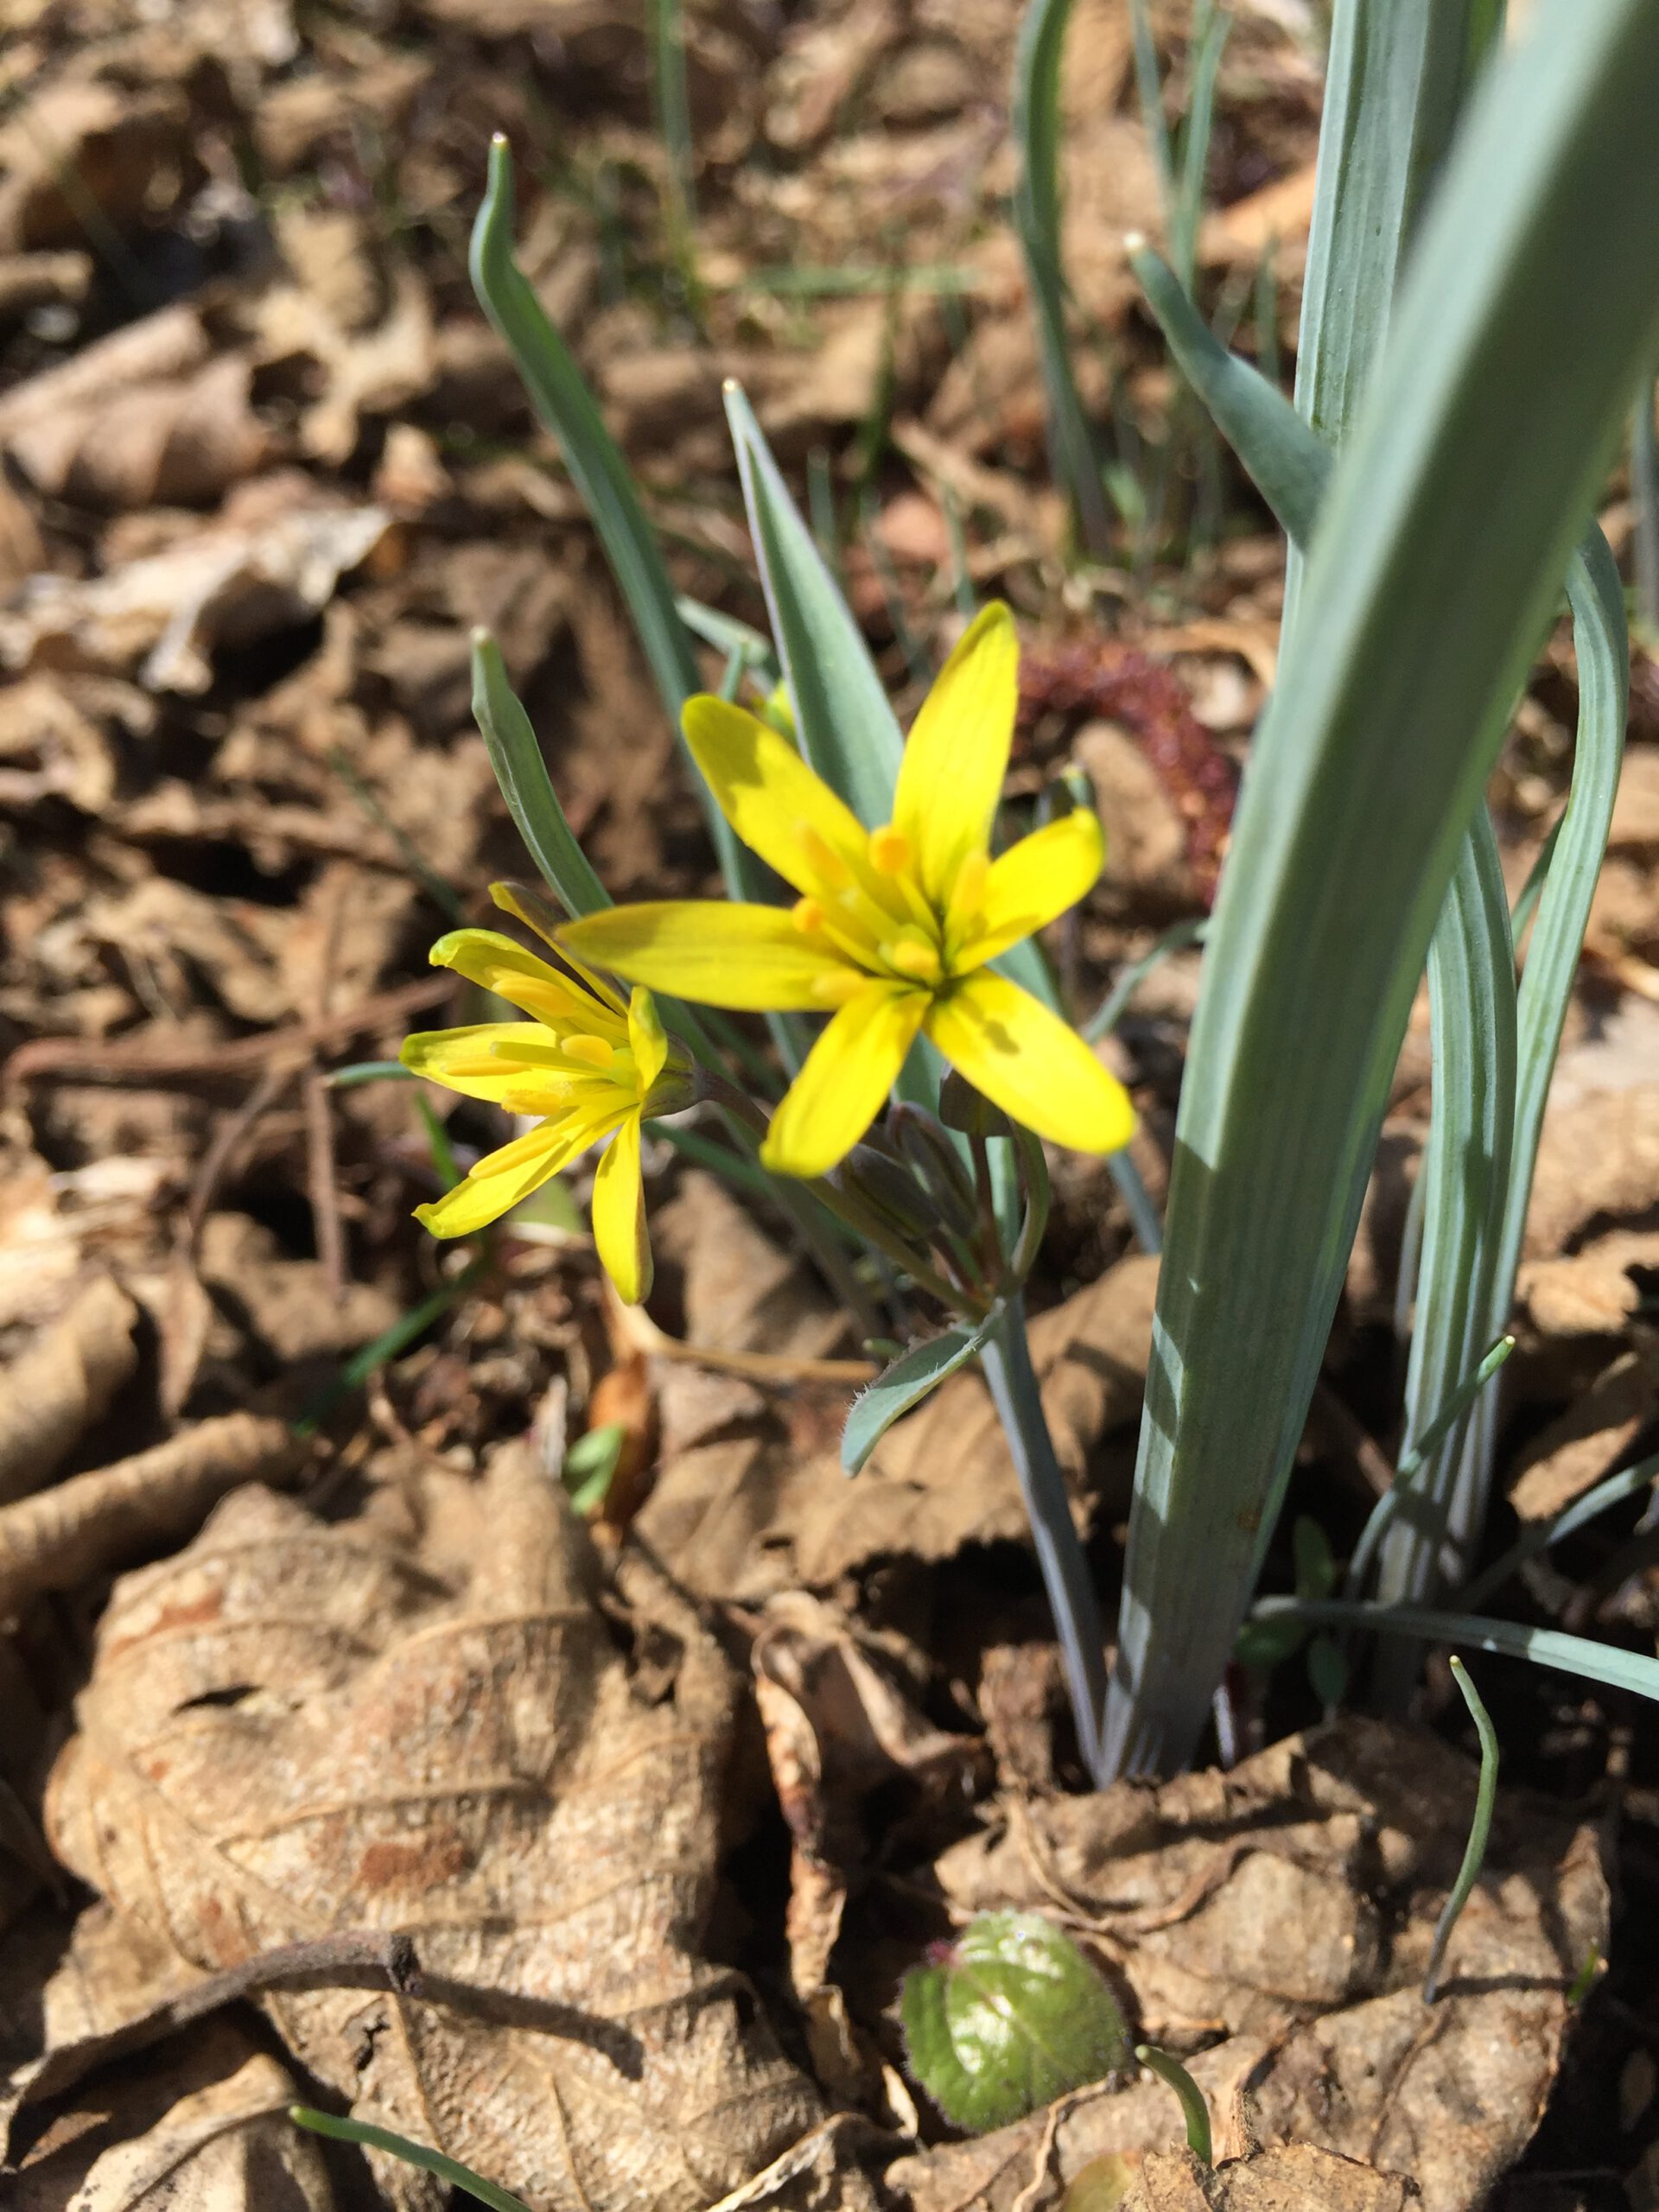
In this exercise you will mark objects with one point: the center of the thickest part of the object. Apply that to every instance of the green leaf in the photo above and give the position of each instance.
(1037, 126)
(561, 399)
(1579, 1656)
(1466, 1173)
(1013, 2017)
(515, 757)
(912, 1377)
(412, 2154)
(1434, 570)
(846, 726)
(1289, 464)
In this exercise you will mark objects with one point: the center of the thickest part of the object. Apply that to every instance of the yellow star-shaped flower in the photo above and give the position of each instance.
(895, 928)
(591, 1066)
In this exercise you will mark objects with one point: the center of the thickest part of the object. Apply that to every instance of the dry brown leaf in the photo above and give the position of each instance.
(121, 149)
(63, 1383)
(741, 1512)
(22, 549)
(177, 441)
(841, 1726)
(1587, 1442)
(292, 1728)
(93, 1523)
(1290, 1902)
(1288, 2178)
(1593, 1292)
(33, 280)
(227, 2147)
(271, 560)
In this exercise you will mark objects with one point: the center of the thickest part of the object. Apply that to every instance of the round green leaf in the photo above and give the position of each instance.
(1010, 2017)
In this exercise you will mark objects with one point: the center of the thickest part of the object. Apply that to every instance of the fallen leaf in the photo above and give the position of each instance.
(62, 1385)
(292, 1728)
(122, 148)
(1587, 1441)
(1288, 2178)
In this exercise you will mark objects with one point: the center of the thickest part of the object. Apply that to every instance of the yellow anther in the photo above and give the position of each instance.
(911, 957)
(809, 916)
(592, 1051)
(889, 851)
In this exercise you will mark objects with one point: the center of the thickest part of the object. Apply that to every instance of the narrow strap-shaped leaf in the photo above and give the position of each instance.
(1546, 1647)
(561, 399)
(915, 1374)
(515, 757)
(1602, 644)
(1289, 464)
(1036, 122)
(412, 2154)
(842, 717)
(1434, 569)
(1466, 1168)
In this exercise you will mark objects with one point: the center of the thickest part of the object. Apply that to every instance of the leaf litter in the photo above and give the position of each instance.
(263, 467)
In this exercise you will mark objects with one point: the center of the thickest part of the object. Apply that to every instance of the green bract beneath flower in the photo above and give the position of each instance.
(895, 928)
(588, 1066)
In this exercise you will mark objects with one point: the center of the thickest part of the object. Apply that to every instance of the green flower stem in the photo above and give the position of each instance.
(1006, 1358)
(1480, 1829)
(844, 1203)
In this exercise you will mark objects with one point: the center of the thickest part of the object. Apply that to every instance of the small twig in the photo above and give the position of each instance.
(226, 1137)
(637, 1327)
(86, 1060)
(1480, 1829)
(53, 1392)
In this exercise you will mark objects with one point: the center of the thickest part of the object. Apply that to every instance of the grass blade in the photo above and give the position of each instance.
(842, 717)
(1435, 567)
(1466, 1177)
(515, 757)
(1602, 643)
(1480, 1829)
(413, 2154)
(1539, 1535)
(1289, 464)
(561, 399)
(1036, 124)
(1545, 1647)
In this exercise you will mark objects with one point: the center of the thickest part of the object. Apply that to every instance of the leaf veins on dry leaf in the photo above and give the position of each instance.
(293, 1729)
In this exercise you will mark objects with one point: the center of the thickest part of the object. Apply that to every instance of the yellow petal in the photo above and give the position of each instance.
(468, 1059)
(537, 912)
(1032, 882)
(1028, 1062)
(647, 1036)
(845, 1080)
(776, 803)
(502, 1177)
(619, 1215)
(752, 959)
(956, 753)
(496, 963)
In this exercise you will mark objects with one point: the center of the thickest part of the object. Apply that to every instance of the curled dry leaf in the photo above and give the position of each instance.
(1588, 1441)
(175, 440)
(271, 560)
(93, 1523)
(292, 1728)
(841, 1730)
(63, 1383)
(1289, 1904)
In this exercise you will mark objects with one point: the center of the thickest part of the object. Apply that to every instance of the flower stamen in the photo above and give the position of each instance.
(889, 851)
(593, 1051)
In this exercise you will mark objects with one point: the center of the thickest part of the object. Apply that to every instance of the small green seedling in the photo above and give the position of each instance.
(1007, 2018)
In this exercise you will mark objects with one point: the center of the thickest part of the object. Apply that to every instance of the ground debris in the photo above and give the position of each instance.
(62, 1385)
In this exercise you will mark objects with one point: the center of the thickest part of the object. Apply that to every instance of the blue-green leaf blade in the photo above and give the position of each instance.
(915, 1374)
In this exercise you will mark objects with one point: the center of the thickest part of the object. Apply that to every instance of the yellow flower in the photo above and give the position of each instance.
(893, 928)
(590, 1065)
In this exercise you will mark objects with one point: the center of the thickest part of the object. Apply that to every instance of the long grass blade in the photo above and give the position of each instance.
(1579, 1656)
(515, 757)
(1035, 121)
(1539, 1535)
(1480, 1829)
(1466, 1177)
(1601, 640)
(1434, 569)
(412, 2154)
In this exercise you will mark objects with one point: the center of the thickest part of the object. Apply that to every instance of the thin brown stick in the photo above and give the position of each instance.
(229, 1134)
(85, 1059)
